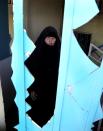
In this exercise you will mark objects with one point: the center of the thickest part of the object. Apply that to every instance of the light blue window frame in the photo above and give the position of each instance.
(80, 81)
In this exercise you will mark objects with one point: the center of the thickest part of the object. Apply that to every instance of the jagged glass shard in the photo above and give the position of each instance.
(27, 94)
(84, 66)
(92, 126)
(16, 127)
(29, 46)
(49, 125)
(99, 114)
(78, 107)
(28, 49)
(28, 78)
(84, 11)
(84, 97)
(32, 126)
(18, 62)
(28, 107)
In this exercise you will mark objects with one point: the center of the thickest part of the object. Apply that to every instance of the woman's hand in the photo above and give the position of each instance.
(33, 95)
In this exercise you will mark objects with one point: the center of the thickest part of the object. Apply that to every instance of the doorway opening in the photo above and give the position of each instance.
(37, 16)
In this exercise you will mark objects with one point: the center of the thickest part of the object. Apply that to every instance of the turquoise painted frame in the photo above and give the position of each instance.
(79, 90)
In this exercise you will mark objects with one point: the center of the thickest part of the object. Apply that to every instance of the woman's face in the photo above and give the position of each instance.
(49, 40)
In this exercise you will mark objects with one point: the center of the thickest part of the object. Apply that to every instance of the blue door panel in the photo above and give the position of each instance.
(79, 81)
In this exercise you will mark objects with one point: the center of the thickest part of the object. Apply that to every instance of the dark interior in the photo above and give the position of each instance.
(8, 90)
(42, 97)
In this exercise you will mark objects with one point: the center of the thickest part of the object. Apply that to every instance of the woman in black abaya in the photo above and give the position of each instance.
(43, 65)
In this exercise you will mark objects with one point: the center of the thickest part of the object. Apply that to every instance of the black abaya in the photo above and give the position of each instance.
(43, 65)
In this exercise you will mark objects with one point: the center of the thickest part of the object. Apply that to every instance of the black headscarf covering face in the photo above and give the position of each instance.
(43, 64)
(44, 54)
(48, 31)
